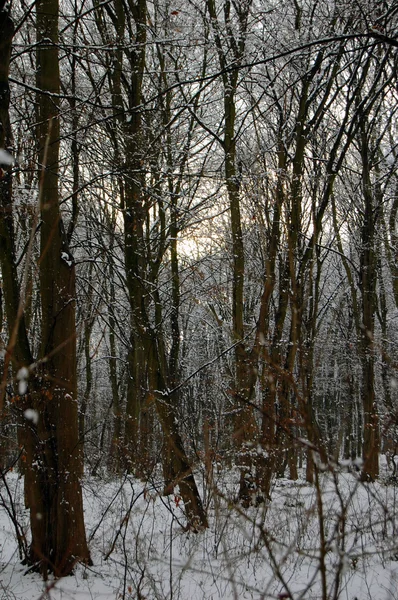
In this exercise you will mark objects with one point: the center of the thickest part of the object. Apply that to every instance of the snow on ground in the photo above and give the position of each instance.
(334, 540)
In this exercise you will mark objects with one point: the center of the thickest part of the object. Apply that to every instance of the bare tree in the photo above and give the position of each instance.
(47, 405)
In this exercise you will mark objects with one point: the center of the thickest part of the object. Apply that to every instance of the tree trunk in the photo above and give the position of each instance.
(178, 466)
(116, 444)
(53, 449)
(245, 427)
(135, 251)
(147, 357)
(368, 278)
(18, 350)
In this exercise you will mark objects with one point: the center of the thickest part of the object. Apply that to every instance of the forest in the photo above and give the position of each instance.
(199, 297)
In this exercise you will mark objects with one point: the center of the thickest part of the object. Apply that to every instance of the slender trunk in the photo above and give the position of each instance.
(135, 251)
(147, 358)
(88, 326)
(371, 436)
(265, 460)
(116, 445)
(179, 468)
(245, 428)
(18, 350)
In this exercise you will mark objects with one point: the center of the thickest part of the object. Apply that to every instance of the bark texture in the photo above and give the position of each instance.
(53, 450)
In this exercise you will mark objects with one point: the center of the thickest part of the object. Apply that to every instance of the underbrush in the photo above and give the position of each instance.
(335, 539)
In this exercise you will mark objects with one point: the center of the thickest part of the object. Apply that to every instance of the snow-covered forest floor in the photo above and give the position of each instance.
(334, 539)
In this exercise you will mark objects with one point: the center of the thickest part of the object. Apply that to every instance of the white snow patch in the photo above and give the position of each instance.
(22, 378)
(65, 256)
(31, 415)
(23, 373)
(6, 158)
(22, 387)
